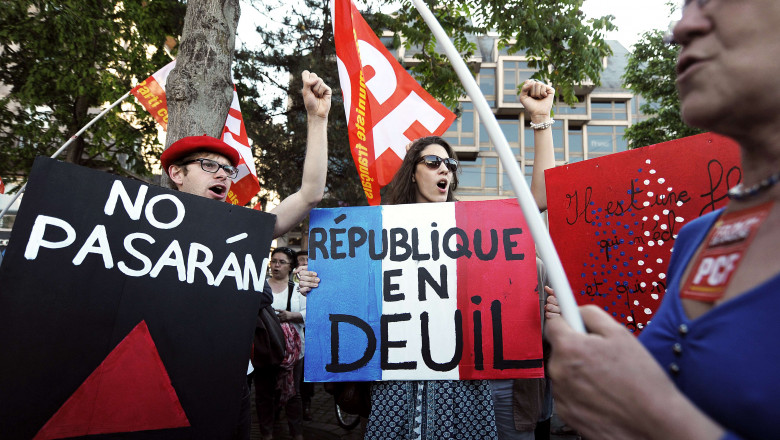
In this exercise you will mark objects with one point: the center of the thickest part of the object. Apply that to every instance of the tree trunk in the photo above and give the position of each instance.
(200, 88)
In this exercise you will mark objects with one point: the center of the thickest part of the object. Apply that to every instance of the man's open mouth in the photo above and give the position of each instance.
(218, 189)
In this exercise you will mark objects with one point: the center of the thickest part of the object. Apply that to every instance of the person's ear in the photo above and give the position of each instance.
(176, 174)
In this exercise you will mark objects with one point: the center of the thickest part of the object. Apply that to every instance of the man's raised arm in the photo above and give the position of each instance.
(316, 97)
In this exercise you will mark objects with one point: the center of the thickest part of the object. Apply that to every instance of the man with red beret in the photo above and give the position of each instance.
(204, 166)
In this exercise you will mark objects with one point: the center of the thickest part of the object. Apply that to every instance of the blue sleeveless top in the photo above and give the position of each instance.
(727, 361)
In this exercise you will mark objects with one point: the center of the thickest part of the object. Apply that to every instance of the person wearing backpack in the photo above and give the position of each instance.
(280, 384)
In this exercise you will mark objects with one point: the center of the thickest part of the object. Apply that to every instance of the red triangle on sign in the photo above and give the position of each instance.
(129, 391)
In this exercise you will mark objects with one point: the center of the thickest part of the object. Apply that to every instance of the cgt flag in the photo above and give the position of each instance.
(151, 94)
(386, 108)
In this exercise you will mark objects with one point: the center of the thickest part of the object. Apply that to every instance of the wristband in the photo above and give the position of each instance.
(543, 125)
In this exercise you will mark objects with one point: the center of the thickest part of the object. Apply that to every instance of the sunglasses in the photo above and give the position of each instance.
(211, 166)
(433, 162)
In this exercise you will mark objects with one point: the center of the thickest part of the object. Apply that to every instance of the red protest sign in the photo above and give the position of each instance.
(386, 108)
(614, 219)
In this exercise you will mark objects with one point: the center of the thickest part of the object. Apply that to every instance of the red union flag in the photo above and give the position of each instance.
(386, 108)
(246, 184)
(151, 94)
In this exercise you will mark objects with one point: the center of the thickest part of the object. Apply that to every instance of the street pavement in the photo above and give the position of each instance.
(323, 425)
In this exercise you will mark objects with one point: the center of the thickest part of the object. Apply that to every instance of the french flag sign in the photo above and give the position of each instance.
(151, 94)
(428, 291)
(386, 108)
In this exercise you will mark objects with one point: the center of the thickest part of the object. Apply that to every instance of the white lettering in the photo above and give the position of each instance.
(383, 84)
(98, 236)
(118, 191)
(704, 269)
(193, 263)
(171, 257)
(250, 273)
(389, 132)
(36, 240)
(232, 268)
(150, 212)
(128, 242)
(723, 267)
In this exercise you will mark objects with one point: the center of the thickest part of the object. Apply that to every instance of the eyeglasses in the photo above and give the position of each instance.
(280, 262)
(433, 162)
(211, 166)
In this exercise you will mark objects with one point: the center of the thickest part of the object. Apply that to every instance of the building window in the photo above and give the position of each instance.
(515, 74)
(609, 110)
(558, 146)
(576, 152)
(487, 84)
(558, 134)
(479, 177)
(579, 108)
(605, 139)
(484, 138)
(506, 184)
(461, 132)
(491, 174)
(636, 113)
(471, 175)
(511, 129)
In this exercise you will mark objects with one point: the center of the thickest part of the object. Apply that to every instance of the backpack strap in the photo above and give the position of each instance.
(290, 287)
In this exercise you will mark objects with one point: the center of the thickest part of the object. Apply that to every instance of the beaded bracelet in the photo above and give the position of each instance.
(543, 125)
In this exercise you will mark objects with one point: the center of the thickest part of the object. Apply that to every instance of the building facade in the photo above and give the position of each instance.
(593, 127)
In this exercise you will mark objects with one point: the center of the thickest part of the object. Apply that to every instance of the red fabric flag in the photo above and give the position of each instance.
(246, 183)
(2, 186)
(151, 94)
(386, 108)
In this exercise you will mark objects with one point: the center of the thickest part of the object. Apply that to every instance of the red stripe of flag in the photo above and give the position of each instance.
(503, 286)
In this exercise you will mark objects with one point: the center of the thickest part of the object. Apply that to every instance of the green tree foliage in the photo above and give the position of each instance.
(62, 60)
(566, 49)
(564, 46)
(650, 72)
(303, 41)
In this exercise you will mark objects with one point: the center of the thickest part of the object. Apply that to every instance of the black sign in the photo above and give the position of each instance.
(126, 308)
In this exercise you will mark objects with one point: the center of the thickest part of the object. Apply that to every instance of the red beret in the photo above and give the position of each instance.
(189, 144)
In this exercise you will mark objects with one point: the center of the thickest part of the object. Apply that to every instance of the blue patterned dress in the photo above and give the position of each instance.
(431, 410)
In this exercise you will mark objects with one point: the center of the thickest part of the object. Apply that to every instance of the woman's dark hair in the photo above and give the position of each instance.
(401, 189)
(290, 254)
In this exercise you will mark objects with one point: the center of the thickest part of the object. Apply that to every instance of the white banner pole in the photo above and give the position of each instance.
(64, 146)
(530, 210)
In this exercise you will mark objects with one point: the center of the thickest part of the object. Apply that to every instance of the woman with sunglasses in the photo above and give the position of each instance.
(452, 409)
